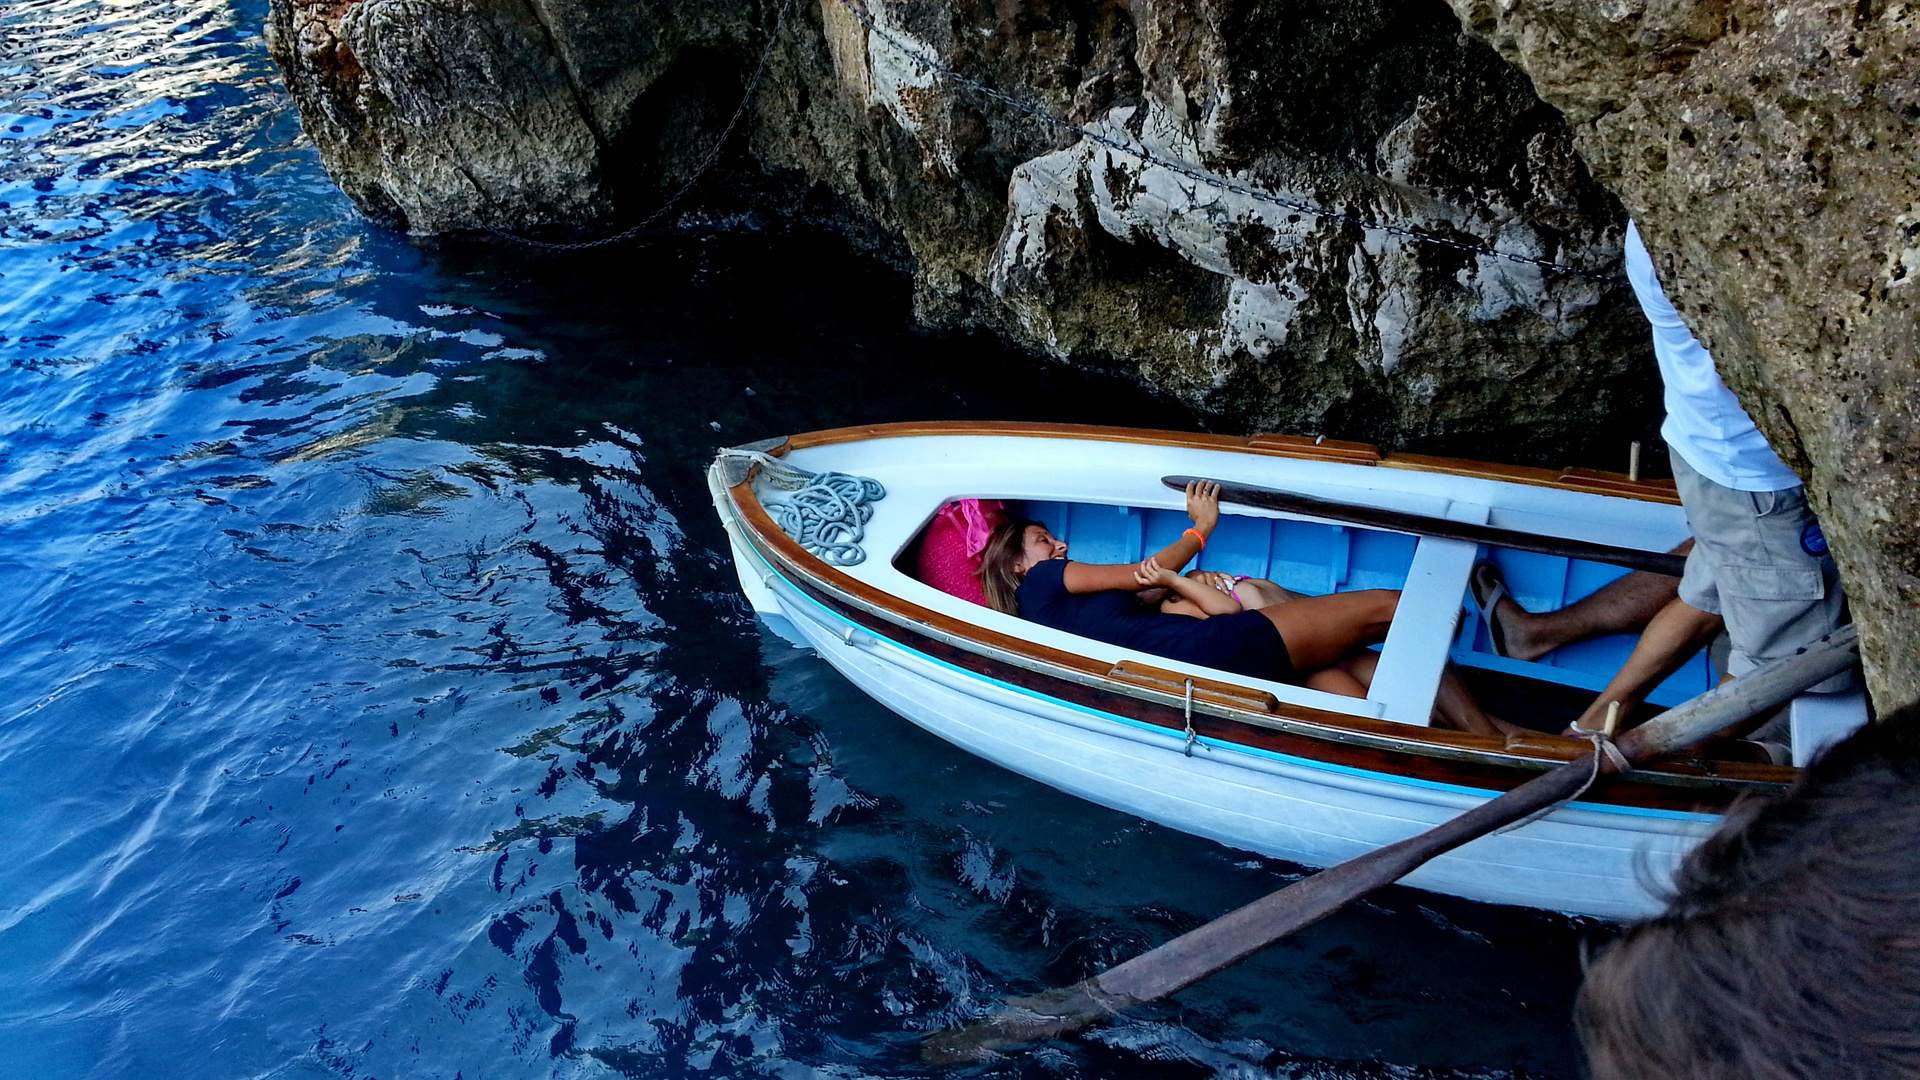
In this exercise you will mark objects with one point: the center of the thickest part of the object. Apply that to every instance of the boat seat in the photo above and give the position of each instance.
(1420, 641)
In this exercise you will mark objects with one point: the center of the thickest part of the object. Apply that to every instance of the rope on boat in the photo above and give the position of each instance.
(826, 512)
(1603, 749)
(1192, 734)
(774, 472)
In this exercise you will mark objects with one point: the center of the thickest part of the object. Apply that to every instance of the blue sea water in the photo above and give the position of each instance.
(376, 699)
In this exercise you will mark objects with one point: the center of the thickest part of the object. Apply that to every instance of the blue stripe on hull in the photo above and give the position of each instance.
(1289, 759)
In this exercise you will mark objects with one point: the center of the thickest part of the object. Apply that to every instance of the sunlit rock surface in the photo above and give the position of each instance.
(539, 114)
(1771, 153)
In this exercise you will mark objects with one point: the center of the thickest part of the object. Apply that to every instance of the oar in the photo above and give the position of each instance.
(1195, 955)
(1658, 562)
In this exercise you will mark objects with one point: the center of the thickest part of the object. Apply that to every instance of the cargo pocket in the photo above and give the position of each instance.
(1772, 503)
(1769, 582)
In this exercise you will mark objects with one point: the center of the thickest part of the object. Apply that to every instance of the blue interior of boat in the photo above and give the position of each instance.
(1312, 558)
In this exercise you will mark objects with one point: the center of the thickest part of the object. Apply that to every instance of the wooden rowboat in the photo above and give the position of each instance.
(1276, 769)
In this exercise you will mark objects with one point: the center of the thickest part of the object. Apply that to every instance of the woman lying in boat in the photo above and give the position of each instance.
(1025, 572)
(1203, 594)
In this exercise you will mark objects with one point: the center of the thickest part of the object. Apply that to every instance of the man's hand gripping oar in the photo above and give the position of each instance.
(1232, 937)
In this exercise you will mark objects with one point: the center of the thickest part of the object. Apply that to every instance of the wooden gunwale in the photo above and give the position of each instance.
(1164, 711)
(1590, 481)
(1377, 745)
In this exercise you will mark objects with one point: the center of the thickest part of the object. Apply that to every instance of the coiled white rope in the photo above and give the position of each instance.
(827, 512)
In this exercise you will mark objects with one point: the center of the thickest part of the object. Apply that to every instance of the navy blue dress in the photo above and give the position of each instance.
(1245, 642)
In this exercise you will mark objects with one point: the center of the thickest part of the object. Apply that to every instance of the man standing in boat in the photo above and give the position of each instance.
(1758, 564)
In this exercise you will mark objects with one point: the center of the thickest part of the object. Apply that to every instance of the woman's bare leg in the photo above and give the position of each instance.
(1453, 706)
(1352, 676)
(1336, 680)
(1320, 631)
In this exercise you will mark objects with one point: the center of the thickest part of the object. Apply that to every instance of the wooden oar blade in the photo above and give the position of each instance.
(1238, 934)
(1049, 1015)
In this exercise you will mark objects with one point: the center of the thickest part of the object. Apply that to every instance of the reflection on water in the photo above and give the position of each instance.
(379, 701)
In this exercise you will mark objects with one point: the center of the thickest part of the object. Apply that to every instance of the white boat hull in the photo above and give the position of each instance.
(1588, 859)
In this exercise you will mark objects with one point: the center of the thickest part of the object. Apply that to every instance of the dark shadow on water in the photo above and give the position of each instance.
(897, 884)
(379, 676)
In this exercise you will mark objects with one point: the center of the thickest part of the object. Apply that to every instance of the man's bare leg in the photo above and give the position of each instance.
(1622, 606)
(1670, 640)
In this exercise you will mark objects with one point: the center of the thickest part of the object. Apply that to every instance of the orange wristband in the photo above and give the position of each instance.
(1195, 533)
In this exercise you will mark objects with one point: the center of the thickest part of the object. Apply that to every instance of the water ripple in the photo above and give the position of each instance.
(379, 700)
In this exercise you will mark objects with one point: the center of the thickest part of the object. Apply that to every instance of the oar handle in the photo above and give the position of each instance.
(1656, 562)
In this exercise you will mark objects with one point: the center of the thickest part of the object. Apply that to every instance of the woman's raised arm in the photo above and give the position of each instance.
(1203, 507)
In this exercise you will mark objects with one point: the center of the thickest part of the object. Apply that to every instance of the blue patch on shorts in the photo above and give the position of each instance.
(1812, 540)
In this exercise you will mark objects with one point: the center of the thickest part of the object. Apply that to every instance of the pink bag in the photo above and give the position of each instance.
(950, 548)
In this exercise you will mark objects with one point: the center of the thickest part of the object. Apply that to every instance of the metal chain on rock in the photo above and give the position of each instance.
(827, 512)
(713, 155)
(1198, 175)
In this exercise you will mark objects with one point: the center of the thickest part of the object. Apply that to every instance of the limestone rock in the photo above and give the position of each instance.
(496, 114)
(588, 113)
(1771, 154)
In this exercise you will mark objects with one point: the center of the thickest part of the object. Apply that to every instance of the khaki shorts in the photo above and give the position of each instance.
(1760, 562)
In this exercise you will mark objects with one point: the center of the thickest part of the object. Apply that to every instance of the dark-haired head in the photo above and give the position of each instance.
(1791, 948)
(1005, 561)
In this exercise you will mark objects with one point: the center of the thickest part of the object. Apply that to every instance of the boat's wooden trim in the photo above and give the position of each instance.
(1211, 691)
(1243, 712)
(1290, 446)
(1591, 481)
(1166, 711)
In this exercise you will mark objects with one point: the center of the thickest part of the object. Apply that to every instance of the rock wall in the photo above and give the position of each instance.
(518, 114)
(1771, 154)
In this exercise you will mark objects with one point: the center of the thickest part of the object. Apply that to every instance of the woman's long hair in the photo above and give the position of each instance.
(998, 579)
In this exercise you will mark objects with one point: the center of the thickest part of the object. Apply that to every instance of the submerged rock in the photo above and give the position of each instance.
(592, 113)
(1769, 154)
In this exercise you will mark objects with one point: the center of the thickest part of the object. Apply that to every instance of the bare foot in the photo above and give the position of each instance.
(1515, 626)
